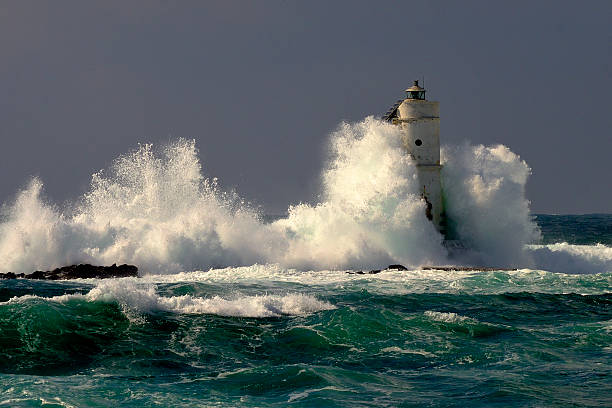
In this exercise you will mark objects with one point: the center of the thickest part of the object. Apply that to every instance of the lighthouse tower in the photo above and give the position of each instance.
(419, 120)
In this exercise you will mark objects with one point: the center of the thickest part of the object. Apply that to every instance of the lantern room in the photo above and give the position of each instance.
(416, 92)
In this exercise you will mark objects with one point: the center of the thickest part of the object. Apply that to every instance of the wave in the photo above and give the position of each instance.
(413, 281)
(448, 317)
(135, 298)
(568, 258)
(463, 324)
(156, 209)
(486, 203)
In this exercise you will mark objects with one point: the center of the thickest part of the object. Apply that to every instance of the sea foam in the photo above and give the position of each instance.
(486, 205)
(156, 209)
(135, 298)
(568, 258)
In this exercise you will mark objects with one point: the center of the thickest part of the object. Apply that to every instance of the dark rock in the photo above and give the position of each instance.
(466, 268)
(84, 271)
(38, 275)
(398, 267)
(11, 275)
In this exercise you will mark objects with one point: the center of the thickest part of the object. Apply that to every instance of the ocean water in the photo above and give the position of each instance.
(267, 336)
(236, 309)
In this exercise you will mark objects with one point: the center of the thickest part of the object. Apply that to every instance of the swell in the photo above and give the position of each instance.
(47, 338)
(587, 229)
(364, 331)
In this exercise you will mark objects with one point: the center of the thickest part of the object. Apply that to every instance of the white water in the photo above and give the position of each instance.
(485, 192)
(157, 210)
(448, 317)
(135, 298)
(567, 258)
(297, 292)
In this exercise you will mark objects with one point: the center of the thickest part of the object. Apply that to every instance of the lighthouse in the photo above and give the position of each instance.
(419, 121)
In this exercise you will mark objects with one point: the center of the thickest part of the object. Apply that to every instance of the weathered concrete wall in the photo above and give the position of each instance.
(420, 124)
(420, 121)
(422, 139)
(431, 188)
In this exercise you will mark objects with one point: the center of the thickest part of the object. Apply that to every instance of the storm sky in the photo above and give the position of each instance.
(261, 84)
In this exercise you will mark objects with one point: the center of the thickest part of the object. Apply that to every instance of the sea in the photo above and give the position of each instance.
(233, 308)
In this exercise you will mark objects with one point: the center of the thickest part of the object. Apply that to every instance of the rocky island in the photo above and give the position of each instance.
(81, 271)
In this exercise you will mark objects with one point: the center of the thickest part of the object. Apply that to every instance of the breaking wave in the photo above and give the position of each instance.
(135, 298)
(156, 209)
(486, 204)
(568, 258)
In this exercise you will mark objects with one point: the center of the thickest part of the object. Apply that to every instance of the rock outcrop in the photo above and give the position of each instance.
(397, 267)
(82, 271)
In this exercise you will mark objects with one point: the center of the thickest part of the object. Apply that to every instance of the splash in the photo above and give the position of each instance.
(156, 209)
(484, 189)
(371, 214)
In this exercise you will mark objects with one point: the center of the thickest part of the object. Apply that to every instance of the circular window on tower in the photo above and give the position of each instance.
(418, 142)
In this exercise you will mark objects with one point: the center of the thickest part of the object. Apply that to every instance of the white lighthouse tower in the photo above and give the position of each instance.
(419, 120)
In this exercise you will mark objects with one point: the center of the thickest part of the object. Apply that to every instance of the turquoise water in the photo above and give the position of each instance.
(265, 336)
(585, 229)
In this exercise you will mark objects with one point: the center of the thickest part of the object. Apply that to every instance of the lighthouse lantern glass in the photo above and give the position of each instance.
(417, 95)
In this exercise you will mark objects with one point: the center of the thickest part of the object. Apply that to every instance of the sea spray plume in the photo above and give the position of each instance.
(484, 189)
(35, 235)
(159, 212)
(370, 214)
(155, 211)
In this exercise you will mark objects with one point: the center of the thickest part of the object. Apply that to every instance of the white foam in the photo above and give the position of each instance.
(136, 297)
(294, 396)
(568, 258)
(370, 214)
(158, 211)
(486, 204)
(145, 299)
(413, 281)
(448, 317)
(29, 298)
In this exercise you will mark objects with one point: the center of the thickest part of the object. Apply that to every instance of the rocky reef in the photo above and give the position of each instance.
(398, 267)
(81, 271)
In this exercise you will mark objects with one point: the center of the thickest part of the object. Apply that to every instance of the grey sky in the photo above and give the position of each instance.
(260, 85)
